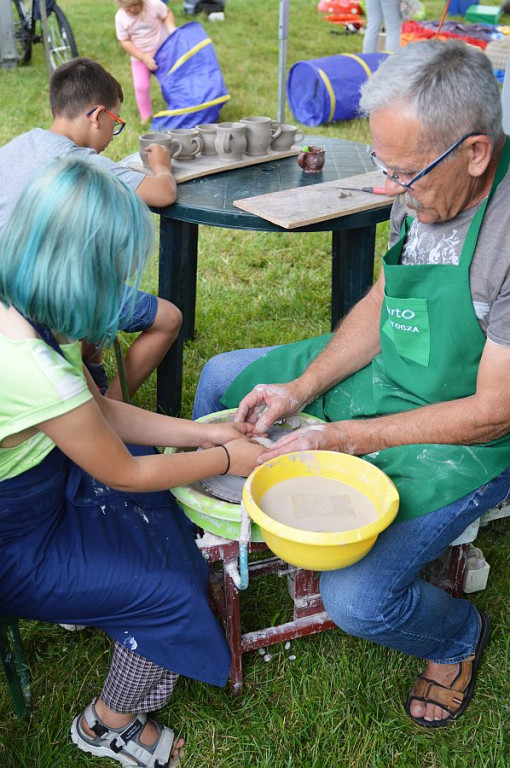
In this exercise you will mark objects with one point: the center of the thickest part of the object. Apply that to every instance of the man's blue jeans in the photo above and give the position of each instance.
(381, 598)
(218, 374)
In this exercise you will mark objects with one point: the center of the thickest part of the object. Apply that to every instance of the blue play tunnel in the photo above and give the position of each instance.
(324, 90)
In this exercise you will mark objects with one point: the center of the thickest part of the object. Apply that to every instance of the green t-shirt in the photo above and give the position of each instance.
(36, 384)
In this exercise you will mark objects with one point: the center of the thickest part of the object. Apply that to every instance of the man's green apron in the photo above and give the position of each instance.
(431, 345)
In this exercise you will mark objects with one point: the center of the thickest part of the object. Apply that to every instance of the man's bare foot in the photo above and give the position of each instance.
(444, 674)
(443, 691)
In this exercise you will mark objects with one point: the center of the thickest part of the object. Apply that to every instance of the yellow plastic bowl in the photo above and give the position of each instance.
(309, 549)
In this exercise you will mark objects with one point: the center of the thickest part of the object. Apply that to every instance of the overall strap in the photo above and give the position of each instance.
(45, 334)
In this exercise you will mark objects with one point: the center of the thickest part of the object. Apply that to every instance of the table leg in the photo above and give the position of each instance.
(178, 284)
(352, 255)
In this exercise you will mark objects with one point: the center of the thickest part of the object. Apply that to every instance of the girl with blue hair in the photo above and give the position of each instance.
(89, 533)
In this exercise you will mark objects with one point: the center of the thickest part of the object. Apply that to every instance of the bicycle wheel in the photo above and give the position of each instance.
(59, 42)
(21, 32)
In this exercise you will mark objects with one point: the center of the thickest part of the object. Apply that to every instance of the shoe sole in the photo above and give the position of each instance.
(97, 751)
(173, 761)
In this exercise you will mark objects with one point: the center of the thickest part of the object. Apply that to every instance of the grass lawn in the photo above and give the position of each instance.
(339, 703)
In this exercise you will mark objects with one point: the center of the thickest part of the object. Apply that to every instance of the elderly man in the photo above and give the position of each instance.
(414, 379)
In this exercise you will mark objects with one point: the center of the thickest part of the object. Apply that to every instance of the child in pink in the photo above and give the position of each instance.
(141, 26)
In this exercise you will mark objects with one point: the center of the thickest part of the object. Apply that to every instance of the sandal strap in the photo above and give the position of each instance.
(126, 740)
(449, 697)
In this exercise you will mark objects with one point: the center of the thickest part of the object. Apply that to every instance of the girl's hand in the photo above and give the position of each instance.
(224, 432)
(243, 456)
(150, 62)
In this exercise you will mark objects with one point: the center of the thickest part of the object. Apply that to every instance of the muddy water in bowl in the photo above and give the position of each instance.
(318, 504)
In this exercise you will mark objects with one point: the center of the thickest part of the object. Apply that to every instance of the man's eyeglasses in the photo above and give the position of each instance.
(118, 124)
(395, 177)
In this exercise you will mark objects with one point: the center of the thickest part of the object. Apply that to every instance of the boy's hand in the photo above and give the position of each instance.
(158, 155)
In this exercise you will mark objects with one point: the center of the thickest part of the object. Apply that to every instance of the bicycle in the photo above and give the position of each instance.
(55, 32)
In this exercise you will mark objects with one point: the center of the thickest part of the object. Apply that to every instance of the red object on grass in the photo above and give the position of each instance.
(339, 6)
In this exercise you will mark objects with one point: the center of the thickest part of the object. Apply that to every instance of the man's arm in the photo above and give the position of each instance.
(479, 418)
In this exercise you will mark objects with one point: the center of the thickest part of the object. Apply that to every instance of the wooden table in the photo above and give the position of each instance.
(208, 201)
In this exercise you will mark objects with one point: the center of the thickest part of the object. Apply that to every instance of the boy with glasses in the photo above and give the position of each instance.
(85, 102)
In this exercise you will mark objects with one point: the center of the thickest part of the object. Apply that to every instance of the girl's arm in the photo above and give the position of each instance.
(141, 427)
(170, 23)
(87, 438)
(137, 53)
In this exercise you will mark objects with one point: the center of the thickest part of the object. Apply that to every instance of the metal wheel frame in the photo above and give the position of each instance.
(57, 37)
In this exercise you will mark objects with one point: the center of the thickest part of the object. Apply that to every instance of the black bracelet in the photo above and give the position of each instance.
(228, 459)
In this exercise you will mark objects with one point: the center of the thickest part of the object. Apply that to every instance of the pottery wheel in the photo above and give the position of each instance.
(230, 487)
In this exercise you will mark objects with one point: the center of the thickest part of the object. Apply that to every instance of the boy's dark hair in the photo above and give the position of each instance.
(79, 84)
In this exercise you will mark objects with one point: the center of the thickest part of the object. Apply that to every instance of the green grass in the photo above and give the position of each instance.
(339, 704)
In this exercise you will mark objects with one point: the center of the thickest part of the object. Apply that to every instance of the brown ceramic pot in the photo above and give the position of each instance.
(313, 160)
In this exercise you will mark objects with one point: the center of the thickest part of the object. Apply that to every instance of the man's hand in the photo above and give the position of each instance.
(267, 403)
(317, 437)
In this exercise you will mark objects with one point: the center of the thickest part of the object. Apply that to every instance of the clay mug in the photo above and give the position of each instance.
(260, 132)
(289, 135)
(153, 138)
(189, 140)
(207, 132)
(230, 141)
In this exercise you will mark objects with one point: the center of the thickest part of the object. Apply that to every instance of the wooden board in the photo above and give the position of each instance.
(302, 206)
(204, 165)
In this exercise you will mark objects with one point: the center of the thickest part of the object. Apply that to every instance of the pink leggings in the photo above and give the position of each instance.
(142, 84)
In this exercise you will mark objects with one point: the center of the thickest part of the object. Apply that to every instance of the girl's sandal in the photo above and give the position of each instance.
(123, 744)
(455, 697)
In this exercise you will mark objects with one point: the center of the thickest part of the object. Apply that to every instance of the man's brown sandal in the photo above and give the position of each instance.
(455, 697)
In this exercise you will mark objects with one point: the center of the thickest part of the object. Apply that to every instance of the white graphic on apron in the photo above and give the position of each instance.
(422, 248)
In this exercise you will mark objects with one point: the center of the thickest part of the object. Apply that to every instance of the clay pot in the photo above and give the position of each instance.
(313, 160)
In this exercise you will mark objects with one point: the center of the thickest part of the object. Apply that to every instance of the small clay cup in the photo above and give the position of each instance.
(313, 160)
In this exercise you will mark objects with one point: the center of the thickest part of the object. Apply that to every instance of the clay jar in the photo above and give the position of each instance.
(288, 136)
(313, 160)
(230, 141)
(207, 132)
(153, 138)
(188, 142)
(260, 132)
